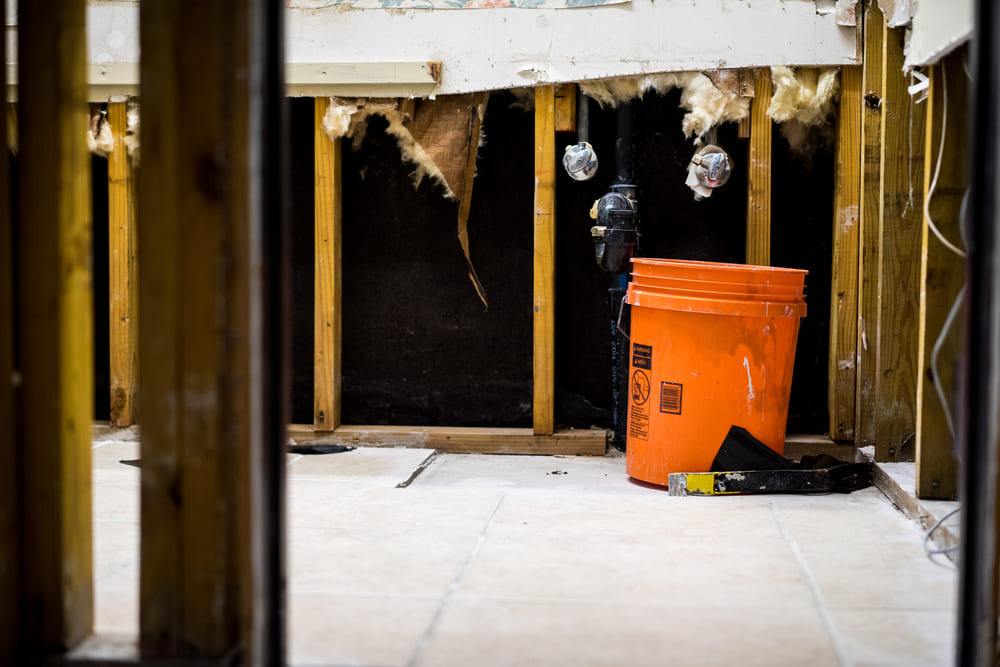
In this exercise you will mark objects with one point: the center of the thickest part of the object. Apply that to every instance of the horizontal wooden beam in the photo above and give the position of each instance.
(467, 440)
(474, 440)
(363, 79)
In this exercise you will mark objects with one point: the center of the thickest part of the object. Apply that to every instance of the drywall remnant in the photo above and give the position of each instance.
(440, 138)
(349, 118)
(100, 141)
(131, 138)
(804, 94)
(707, 105)
(898, 13)
(846, 14)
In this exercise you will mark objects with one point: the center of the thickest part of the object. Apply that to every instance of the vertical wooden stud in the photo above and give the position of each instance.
(202, 239)
(123, 283)
(900, 230)
(9, 539)
(55, 326)
(328, 285)
(844, 279)
(544, 261)
(942, 276)
(565, 107)
(758, 246)
(868, 231)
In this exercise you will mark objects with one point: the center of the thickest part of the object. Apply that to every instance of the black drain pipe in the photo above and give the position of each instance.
(617, 282)
(978, 436)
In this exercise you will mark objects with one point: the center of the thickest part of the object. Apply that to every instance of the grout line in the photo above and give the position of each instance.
(101, 443)
(824, 612)
(446, 598)
(419, 469)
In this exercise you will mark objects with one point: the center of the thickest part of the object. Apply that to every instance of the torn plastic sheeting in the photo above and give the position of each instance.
(707, 105)
(439, 137)
(805, 94)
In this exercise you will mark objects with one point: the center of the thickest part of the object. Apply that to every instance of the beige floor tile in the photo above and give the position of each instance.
(492, 633)
(897, 638)
(387, 557)
(592, 474)
(118, 501)
(381, 466)
(870, 558)
(558, 550)
(107, 466)
(322, 501)
(116, 611)
(356, 630)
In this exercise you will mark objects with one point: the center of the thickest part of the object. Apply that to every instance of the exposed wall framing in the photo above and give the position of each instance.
(942, 279)
(900, 233)
(844, 275)
(868, 236)
(759, 175)
(544, 264)
(123, 272)
(328, 290)
(54, 319)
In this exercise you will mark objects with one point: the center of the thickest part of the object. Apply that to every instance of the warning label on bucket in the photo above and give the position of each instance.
(638, 426)
(642, 356)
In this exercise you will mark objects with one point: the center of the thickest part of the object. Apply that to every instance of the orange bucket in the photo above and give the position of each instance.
(702, 363)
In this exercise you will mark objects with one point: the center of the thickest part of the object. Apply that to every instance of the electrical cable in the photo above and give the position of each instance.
(933, 551)
(937, 170)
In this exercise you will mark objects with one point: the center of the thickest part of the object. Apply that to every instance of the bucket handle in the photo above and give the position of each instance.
(621, 307)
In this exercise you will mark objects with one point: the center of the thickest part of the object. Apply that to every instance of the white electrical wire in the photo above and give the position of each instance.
(934, 362)
(937, 169)
(934, 551)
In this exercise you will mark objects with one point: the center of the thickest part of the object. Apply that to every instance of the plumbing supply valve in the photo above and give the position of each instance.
(617, 230)
(580, 161)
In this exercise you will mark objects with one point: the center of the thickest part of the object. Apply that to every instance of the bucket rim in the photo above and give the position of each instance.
(717, 266)
(707, 305)
(719, 294)
(668, 282)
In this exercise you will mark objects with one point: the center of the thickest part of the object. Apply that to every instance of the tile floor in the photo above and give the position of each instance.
(516, 560)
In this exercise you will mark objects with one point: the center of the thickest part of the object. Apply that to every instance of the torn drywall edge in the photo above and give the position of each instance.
(349, 118)
(846, 14)
(898, 13)
(939, 27)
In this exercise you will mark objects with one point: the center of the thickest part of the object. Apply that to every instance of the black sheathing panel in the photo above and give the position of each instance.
(303, 253)
(801, 238)
(101, 277)
(419, 348)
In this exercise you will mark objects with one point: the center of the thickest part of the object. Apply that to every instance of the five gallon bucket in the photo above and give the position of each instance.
(711, 346)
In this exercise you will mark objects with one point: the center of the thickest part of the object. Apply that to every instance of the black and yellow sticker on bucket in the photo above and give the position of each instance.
(639, 390)
(642, 356)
